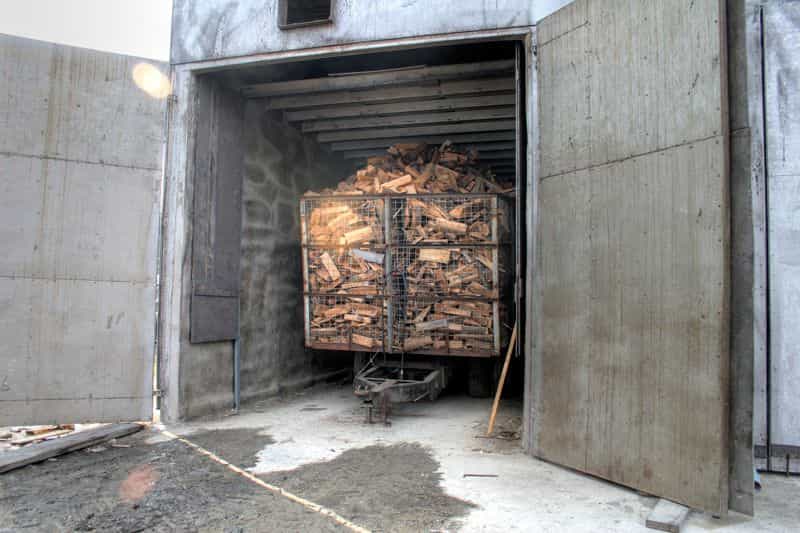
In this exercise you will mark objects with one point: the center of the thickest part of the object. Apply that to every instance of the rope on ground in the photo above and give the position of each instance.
(342, 521)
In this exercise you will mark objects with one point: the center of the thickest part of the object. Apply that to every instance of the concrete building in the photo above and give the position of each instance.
(657, 266)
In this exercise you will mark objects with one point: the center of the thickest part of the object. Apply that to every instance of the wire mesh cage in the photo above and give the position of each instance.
(343, 221)
(448, 219)
(463, 271)
(434, 287)
(339, 322)
(344, 270)
(445, 326)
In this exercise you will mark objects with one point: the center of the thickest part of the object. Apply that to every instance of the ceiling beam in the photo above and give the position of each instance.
(463, 139)
(394, 108)
(394, 94)
(448, 117)
(416, 131)
(379, 79)
(482, 148)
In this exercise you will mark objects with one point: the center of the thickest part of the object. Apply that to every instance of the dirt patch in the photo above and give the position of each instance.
(165, 486)
(237, 446)
(385, 488)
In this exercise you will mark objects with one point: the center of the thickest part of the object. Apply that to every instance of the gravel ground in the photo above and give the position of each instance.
(164, 486)
(151, 484)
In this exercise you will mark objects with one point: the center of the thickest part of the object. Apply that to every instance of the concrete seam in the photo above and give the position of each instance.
(75, 399)
(82, 161)
(56, 278)
(342, 521)
(211, 64)
(630, 157)
(560, 35)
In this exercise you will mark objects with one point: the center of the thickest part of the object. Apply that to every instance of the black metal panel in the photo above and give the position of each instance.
(217, 218)
(214, 318)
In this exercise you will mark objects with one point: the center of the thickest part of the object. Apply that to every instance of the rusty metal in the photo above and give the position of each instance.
(382, 385)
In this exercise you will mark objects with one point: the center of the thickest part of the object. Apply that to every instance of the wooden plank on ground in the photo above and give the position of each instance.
(35, 453)
(667, 516)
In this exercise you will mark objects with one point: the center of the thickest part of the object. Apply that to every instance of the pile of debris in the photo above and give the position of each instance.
(14, 437)
(442, 242)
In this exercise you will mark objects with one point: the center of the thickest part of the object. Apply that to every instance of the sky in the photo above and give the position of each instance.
(133, 27)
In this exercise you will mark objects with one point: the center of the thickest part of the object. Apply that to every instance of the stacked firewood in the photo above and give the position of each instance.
(347, 321)
(419, 169)
(443, 248)
(452, 271)
(448, 325)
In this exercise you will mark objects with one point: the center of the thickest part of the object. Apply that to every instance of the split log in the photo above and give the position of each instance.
(415, 343)
(435, 255)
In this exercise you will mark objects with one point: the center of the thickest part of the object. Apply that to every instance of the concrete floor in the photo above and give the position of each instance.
(527, 494)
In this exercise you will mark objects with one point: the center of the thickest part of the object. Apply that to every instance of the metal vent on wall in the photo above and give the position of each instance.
(295, 13)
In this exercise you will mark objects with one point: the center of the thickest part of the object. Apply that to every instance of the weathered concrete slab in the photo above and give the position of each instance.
(782, 86)
(77, 104)
(75, 350)
(75, 220)
(748, 241)
(80, 177)
(212, 29)
(634, 258)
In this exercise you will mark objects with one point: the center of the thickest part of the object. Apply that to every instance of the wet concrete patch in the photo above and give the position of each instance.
(385, 488)
(238, 446)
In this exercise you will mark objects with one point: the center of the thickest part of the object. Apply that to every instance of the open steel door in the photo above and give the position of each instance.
(80, 179)
(631, 366)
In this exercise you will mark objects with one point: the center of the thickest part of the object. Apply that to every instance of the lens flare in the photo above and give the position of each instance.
(151, 80)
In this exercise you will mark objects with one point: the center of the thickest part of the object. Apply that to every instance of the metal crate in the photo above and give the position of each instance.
(327, 221)
(471, 272)
(428, 219)
(344, 270)
(352, 323)
(457, 266)
(446, 326)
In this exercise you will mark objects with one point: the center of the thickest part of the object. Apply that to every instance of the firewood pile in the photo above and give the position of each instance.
(419, 169)
(416, 232)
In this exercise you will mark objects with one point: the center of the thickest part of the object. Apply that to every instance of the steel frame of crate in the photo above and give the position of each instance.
(388, 245)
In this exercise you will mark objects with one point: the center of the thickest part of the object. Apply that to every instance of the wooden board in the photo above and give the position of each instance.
(631, 368)
(35, 453)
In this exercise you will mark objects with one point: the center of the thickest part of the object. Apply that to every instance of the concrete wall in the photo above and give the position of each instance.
(748, 258)
(280, 165)
(197, 379)
(782, 106)
(211, 29)
(632, 362)
(80, 174)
